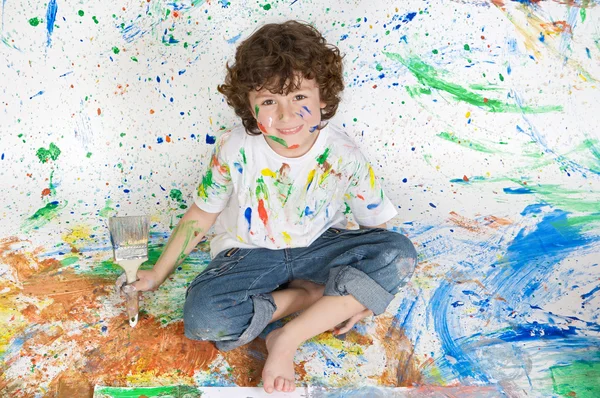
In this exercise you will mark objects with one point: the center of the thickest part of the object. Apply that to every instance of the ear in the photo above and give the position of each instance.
(323, 105)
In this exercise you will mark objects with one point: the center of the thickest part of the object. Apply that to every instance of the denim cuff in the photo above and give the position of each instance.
(349, 280)
(264, 308)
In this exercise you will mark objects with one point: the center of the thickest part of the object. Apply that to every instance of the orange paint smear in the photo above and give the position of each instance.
(294, 146)
(262, 128)
(46, 192)
(262, 212)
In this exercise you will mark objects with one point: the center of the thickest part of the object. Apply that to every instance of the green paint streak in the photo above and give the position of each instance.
(51, 185)
(323, 157)
(428, 76)
(42, 216)
(278, 140)
(580, 379)
(108, 210)
(134, 59)
(261, 189)
(347, 210)
(582, 14)
(256, 110)
(34, 21)
(582, 222)
(116, 50)
(243, 155)
(501, 77)
(206, 183)
(69, 260)
(81, 13)
(150, 392)
(466, 47)
(481, 87)
(464, 143)
(95, 19)
(52, 152)
(566, 199)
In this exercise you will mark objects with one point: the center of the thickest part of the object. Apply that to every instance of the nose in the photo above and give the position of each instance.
(285, 112)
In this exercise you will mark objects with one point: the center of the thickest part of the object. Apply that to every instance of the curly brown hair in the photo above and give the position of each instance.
(276, 57)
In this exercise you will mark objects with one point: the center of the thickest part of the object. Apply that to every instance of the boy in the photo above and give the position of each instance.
(278, 189)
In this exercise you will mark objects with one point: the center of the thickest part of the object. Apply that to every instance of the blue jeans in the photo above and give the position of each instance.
(230, 302)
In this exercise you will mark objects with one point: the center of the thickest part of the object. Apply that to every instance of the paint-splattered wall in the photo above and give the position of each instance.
(480, 116)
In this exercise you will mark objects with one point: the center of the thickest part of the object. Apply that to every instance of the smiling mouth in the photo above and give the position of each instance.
(290, 131)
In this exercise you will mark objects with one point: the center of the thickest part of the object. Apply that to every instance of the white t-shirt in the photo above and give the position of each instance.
(270, 201)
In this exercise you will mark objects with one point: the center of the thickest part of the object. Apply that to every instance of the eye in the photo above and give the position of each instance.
(268, 102)
(299, 97)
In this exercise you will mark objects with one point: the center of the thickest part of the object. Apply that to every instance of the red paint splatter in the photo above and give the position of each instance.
(294, 146)
(152, 111)
(262, 212)
(99, 111)
(46, 192)
(485, 100)
(167, 138)
(262, 128)
(360, 197)
(175, 14)
(465, 178)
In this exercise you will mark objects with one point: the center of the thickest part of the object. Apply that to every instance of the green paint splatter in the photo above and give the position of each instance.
(51, 185)
(580, 379)
(379, 67)
(34, 21)
(243, 155)
(582, 14)
(256, 110)
(434, 51)
(261, 189)
(466, 47)
(116, 50)
(95, 19)
(69, 260)
(88, 155)
(267, 7)
(428, 76)
(108, 210)
(81, 13)
(176, 195)
(278, 140)
(206, 183)
(501, 77)
(134, 59)
(464, 143)
(323, 157)
(52, 152)
(42, 216)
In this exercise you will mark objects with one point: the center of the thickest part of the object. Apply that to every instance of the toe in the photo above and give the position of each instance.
(279, 383)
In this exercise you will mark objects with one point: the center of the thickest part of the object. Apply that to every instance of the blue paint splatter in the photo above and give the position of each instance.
(308, 212)
(159, 140)
(238, 167)
(35, 95)
(432, 205)
(372, 206)
(306, 109)
(517, 191)
(587, 50)
(313, 128)
(344, 37)
(248, 216)
(158, 79)
(50, 18)
(210, 139)
(234, 39)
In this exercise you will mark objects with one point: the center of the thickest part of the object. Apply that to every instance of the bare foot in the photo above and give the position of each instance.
(278, 373)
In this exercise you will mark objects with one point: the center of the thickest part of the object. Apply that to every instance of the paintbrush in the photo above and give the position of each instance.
(129, 238)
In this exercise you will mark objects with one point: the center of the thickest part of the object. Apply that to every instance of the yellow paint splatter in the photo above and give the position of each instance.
(309, 180)
(240, 239)
(79, 232)
(286, 237)
(371, 177)
(468, 115)
(268, 173)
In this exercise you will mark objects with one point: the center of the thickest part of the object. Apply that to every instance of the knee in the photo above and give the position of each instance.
(202, 319)
(401, 257)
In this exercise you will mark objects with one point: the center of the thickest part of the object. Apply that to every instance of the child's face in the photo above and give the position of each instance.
(290, 122)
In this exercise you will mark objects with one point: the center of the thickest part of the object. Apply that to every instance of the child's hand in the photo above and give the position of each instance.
(344, 327)
(147, 280)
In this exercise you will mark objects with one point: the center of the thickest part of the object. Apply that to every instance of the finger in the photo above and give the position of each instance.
(129, 289)
(121, 280)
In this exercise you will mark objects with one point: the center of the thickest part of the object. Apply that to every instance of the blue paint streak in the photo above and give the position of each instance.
(234, 39)
(306, 109)
(248, 216)
(238, 167)
(65, 74)
(373, 206)
(313, 129)
(587, 51)
(344, 37)
(517, 191)
(210, 139)
(35, 95)
(50, 18)
(588, 295)
(181, 72)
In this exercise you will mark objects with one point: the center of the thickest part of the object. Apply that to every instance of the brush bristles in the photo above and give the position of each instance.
(129, 237)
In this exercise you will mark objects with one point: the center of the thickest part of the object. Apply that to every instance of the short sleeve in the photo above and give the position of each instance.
(365, 197)
(215, 186)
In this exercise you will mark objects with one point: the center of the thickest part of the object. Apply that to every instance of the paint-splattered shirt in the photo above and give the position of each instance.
(270, 201)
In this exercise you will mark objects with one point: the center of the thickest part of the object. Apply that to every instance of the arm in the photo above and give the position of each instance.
(187, 234)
